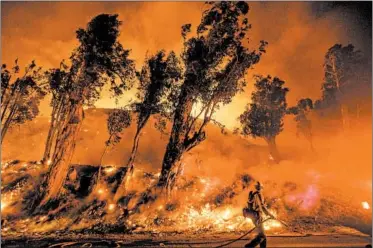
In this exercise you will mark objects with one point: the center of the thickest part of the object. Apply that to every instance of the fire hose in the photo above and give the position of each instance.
(251, 230)
(247, 233)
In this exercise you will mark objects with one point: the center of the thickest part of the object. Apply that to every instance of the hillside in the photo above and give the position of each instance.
(27, 143)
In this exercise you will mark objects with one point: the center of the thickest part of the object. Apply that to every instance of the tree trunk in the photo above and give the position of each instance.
(273, 149)
(8, 121)
(7, 101)
(128, 174)
(65, 146)
(51, 133)
(344, 116)
(100, 167)
(176, 147)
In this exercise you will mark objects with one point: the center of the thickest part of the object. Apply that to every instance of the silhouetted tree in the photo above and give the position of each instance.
(304, 124)
(215, 63)
(343, 68)
(118, 120)
(99, 59)
(59, 88)
(20, 95)
(263, 117)
(158, 85)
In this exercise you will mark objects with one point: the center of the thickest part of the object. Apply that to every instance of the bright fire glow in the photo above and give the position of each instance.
(109, 170)
(207, 217)
(111, 207)
(49, 162)
(3, 205)
(365, 205)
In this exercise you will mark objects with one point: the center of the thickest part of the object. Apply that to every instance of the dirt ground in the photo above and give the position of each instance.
(314, 241)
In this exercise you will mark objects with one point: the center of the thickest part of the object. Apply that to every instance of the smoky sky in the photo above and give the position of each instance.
(298, 33)
(361, 12)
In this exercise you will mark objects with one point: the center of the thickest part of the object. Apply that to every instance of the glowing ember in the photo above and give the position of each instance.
(226, 214)
(109, 170)
(3, 205)
(43, 218)
(100, 191)
(365, 205)
(111, 207)
(49, 162)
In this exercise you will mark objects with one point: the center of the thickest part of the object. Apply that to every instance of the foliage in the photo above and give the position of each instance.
(343, 67)
(301, 112)
(263, 117)
(100, 58)
(20, 94)
(118, 120)
(216, 59)
(159, 84)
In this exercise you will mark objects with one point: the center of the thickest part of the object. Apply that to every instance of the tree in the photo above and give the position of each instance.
(59, 88)
(343, 68)
(263, 117)
(118, 120)
(20, 95)
(304, 124)
(99, 59)
(158, 84)
(215, 63)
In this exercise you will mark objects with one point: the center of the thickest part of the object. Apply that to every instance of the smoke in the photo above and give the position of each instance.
(298, 38)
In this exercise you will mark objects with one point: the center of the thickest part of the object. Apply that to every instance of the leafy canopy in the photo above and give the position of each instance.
(263, 117)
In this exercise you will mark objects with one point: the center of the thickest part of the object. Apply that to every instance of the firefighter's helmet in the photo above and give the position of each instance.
(258, 186)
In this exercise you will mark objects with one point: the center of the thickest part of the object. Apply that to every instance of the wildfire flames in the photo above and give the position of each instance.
(365, 205)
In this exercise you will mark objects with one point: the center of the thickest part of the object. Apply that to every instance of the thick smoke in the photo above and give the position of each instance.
(298, 38)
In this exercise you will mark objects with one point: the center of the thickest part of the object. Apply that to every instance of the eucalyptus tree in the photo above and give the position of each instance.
(263, 117)
(215, 59)
(98, 60)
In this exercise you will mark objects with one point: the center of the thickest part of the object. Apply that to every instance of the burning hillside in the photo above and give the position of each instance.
(308, 197)
(171, 159)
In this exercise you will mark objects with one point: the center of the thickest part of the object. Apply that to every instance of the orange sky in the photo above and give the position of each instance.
(45, 31)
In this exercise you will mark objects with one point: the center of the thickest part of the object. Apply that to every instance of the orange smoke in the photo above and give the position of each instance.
(297, 38)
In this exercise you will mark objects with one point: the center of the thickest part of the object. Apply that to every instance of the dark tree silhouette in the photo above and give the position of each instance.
(20, 95)
(344, 70)
(304, 124)
(158, 85)
(263, 117)
(99, 59)
(215, 63)
(59, 88)
(117, 121)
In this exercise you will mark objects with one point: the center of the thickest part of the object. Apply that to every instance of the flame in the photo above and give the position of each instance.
(365, 205)
(3, 205)
(207, 217)
(110, 170)
(49, 162)
(111, 207)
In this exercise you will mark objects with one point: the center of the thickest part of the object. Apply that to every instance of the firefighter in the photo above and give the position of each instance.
(256, 210)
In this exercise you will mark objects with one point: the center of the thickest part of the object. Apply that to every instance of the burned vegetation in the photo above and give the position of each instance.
(177, 97)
